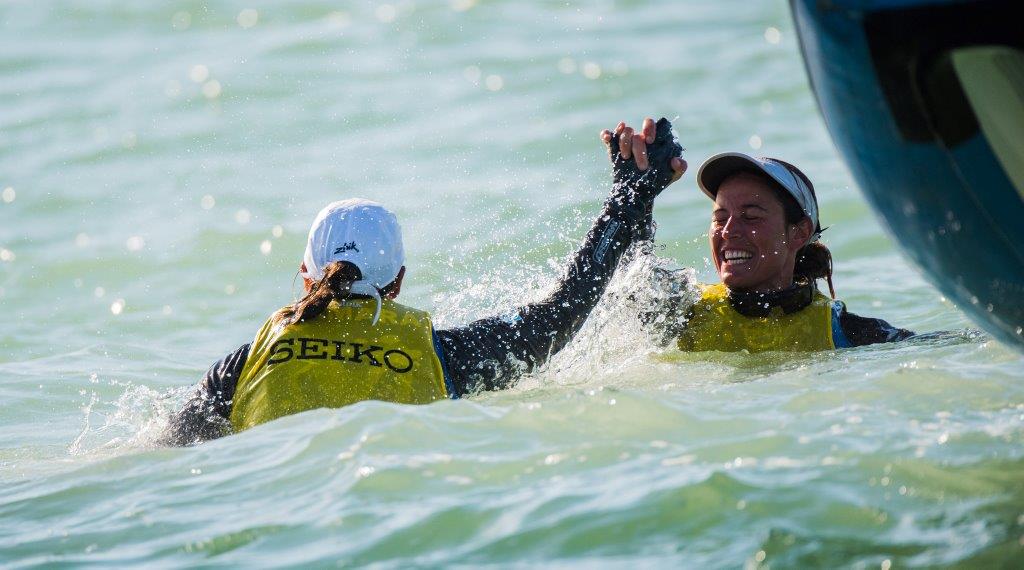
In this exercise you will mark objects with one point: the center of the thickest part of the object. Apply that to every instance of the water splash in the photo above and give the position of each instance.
(136, 419)
(644, 306)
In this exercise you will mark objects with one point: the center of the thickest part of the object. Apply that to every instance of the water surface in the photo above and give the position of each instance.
(165, 161)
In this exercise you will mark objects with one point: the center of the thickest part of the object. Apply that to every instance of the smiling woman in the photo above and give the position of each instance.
(764, 242)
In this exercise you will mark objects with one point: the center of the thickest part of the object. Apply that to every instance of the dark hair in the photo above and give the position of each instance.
(814, 260)
(335, 284)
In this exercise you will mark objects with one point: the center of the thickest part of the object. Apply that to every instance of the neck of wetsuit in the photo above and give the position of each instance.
(761, 303)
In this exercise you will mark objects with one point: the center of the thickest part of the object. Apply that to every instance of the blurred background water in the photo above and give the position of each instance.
(160, 164)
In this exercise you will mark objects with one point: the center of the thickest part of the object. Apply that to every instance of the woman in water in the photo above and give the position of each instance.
(348, 340)
(764, 243)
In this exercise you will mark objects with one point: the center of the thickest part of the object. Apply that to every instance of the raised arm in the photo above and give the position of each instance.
(492, 353)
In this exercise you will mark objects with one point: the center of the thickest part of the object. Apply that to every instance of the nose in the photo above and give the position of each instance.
(732, 227)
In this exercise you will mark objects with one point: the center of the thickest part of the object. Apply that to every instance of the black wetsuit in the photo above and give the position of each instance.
(861, 331)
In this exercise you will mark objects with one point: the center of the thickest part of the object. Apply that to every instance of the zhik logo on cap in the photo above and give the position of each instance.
(349, 246)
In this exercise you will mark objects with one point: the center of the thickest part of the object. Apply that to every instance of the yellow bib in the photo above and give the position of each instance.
(337, 359)
(715, 325)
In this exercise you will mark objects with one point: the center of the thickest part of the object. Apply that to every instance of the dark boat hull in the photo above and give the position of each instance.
(903, 89)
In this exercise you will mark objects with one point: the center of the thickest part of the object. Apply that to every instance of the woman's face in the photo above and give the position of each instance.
(753, 247)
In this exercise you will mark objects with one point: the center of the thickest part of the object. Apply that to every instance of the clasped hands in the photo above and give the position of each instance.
(643, 163)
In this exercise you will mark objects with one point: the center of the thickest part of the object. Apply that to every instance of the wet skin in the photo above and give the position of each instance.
(752, 246)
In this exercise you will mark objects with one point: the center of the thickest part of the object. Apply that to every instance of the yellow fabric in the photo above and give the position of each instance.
(337, 359)
(715, 325)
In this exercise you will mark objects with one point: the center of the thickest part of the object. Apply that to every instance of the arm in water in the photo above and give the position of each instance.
(491, 353)
(862, 331)
(205, 414)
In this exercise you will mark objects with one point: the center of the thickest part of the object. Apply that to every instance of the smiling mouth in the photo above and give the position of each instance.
(736, 257)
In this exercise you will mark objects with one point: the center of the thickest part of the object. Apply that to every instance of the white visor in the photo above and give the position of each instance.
(716, 169)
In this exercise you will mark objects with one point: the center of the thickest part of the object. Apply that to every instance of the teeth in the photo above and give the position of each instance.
(732, 254)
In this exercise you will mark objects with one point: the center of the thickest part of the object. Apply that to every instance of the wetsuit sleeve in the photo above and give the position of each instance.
(491, 353)
(205, 415)
(860, 331)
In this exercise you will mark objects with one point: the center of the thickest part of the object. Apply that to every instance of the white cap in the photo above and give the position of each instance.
(360, 232)
(716, 169)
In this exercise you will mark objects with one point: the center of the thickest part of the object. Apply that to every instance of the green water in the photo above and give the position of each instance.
(165, 160)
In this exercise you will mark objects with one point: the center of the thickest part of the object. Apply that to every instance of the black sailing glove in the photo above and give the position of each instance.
(636, 188)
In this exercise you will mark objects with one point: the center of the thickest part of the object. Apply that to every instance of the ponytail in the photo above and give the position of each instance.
(336, 284)
(814, 261)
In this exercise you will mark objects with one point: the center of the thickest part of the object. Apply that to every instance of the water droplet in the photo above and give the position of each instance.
(494, 83)
(265, 247)
(243, 216)
(117, 306)
(211, 89)
(135, 243)
(755, 142)
(591, 70)
(99, 292)
(199, 73)
(554, 459)
(7, 255)
(772, 35)
(247, 18)
(567, 65)
(230, 289)
(277, 231)
(207, 202)
(8, 194)
(338, 19)
(471, 73)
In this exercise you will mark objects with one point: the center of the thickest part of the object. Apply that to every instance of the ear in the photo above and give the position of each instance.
(396, 286)
(306, 282)
(800, 233)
